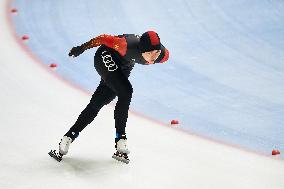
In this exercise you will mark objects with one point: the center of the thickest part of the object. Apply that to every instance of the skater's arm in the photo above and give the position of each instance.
(114, 42)
(164, 56)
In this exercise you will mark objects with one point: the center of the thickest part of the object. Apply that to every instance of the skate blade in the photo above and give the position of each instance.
(120, 158)
(55, 155)
(124, 151)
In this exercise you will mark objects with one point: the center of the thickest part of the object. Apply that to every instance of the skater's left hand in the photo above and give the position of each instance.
(76, 51)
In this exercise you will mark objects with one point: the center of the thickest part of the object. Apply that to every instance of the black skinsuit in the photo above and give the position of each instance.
(114, 70)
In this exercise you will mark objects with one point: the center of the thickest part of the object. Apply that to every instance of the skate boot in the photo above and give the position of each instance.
(122, 151)
(63, 147)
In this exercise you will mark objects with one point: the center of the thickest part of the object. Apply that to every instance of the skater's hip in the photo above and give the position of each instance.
(107, 62)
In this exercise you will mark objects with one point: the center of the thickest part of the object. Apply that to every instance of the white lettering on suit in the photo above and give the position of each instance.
(108, 61)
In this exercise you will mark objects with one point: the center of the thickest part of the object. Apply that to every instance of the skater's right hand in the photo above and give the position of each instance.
(76, 51)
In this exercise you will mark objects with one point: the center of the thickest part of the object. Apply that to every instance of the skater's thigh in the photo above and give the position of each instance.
(119, 83)
(109, 68)
(103, 95)
(106, 62)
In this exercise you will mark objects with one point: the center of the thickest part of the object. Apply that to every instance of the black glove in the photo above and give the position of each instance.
(76, 51)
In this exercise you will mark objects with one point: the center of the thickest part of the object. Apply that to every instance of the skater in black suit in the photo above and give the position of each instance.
(114, 60)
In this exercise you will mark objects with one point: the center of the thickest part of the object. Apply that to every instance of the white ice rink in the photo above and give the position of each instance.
(37, 107)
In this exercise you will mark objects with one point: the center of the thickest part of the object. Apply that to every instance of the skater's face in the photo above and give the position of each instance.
(151, 56)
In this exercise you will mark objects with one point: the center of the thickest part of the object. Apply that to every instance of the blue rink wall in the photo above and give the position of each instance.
(225, 75)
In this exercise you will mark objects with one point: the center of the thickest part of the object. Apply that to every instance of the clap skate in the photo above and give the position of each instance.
(122, 151)
(63, 149)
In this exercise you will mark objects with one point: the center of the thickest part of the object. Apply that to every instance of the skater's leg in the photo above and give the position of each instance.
(109, 68)
(120, 84)
(102, 96)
